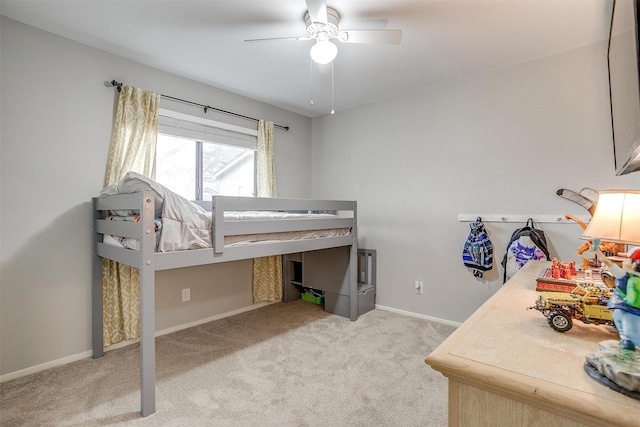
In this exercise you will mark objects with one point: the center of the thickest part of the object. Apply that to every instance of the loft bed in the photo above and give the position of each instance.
(148, 202)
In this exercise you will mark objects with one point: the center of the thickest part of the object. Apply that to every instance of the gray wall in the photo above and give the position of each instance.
(497, 143)
(56, 126)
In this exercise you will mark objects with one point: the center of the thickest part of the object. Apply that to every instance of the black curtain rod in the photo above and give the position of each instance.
(118, 86)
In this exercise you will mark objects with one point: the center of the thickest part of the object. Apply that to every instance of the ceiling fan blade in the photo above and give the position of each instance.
(371, 36)
(270, 39)
(317, 10)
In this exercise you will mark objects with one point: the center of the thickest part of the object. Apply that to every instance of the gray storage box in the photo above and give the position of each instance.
(366, 300)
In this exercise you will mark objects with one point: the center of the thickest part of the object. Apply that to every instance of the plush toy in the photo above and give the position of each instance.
(625, 301)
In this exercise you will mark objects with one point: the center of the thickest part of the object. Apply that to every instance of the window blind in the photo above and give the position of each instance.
(199, 129)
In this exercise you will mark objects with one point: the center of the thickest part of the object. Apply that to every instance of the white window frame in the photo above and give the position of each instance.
(212, 124)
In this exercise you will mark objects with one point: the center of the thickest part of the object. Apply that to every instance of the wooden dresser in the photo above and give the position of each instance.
(507, 367)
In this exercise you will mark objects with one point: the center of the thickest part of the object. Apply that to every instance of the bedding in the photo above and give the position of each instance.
(127, 242)
(183, 225)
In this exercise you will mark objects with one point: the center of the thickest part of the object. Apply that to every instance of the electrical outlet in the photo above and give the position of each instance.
(186, 295)
(419, 286)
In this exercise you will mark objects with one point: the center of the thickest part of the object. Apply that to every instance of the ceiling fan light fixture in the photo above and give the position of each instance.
(323, 52)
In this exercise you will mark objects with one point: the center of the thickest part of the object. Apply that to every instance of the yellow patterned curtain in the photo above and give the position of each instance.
(133, 148)
(267, 271)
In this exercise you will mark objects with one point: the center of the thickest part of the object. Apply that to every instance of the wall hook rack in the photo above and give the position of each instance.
(538, 218)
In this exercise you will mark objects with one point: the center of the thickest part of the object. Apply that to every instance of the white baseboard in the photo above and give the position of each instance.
(52, 364)
(212, 318)
(420, 316)
(85, 354)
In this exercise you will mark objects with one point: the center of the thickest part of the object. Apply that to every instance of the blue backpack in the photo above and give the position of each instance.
(477, 253)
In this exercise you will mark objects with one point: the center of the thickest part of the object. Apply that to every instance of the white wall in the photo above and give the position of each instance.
(502, 143)
(55, 130)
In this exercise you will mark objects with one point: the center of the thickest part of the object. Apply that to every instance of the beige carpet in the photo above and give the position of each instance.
(282, 365)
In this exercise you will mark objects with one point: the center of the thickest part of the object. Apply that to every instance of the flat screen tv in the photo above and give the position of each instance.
(624, 85)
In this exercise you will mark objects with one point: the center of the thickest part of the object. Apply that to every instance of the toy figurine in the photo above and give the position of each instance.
(625, 300)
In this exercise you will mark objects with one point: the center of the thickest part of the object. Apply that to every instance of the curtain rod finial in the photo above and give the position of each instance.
(117, 85)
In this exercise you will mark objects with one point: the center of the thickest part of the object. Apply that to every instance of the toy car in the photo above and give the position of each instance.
(588, 304)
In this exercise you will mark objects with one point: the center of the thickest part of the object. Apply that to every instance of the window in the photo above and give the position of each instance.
(199, 160)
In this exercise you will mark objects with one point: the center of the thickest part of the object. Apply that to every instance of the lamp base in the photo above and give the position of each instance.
(616, 368)
(596, 375)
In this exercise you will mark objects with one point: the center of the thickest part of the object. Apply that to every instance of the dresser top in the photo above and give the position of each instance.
(505, 348)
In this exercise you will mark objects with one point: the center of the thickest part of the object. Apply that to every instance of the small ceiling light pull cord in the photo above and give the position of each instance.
(332, 110)
(311, 83)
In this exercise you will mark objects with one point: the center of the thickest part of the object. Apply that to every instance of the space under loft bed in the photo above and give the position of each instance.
(148, 261)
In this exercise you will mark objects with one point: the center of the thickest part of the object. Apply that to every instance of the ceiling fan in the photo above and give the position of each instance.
(323, 27)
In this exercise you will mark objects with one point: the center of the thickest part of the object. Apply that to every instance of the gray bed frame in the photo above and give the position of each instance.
(148, 261)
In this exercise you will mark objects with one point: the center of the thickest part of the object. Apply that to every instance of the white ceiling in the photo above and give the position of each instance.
(204, 40)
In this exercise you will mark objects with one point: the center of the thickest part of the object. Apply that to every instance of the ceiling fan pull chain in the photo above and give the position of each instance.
(332, 110)
(311, 82)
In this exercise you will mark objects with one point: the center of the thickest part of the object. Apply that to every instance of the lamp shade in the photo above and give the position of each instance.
(323, 52)
(616, 218)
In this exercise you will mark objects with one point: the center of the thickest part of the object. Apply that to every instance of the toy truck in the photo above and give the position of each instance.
(585, 303)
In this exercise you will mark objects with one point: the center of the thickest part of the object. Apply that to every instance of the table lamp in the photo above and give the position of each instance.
(616, 218)
(617, 364)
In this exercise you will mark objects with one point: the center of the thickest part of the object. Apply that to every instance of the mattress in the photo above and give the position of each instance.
(230, 241)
